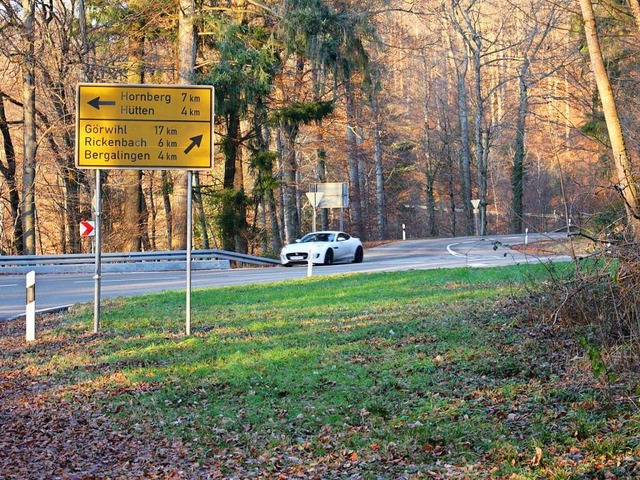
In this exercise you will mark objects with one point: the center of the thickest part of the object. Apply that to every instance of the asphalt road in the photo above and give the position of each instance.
(56, 291)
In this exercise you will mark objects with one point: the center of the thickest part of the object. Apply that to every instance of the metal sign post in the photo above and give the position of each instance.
(189, 242)
(97, 207)
(314, 199)
(476, 209)
(331, 195)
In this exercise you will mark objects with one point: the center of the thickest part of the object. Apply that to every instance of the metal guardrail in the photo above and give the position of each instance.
(128, 262)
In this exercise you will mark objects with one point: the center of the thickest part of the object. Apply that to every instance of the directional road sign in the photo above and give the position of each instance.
(144, 126)
(314, 198)
(87, 229)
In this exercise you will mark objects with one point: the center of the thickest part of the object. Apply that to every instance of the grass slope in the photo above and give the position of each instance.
(424, 374)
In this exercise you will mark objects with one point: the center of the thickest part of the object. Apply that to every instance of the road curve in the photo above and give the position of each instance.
(63, 290)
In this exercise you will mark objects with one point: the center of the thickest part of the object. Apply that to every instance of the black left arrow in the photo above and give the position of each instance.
(195, 142)
(96, 103)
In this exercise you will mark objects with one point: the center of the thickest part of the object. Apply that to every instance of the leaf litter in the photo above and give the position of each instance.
(70, 418)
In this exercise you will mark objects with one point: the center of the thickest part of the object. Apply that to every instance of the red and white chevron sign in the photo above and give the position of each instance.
(87, 229)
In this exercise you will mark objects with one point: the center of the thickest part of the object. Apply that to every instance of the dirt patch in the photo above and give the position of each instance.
(563, 246)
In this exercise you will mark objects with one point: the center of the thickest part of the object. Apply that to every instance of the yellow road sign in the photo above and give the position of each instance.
(144, 127)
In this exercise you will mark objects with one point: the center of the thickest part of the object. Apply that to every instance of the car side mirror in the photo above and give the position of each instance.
(297, 240)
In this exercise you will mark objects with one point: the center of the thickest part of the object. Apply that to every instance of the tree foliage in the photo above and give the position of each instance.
(318, 90)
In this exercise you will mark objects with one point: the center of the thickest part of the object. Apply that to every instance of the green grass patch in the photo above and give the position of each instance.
(392, 374)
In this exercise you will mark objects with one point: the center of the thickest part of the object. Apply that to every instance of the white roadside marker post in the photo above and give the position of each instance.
(31, 306)
(310, 262)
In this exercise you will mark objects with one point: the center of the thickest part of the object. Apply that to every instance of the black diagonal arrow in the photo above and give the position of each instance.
(195, 142)
(96, 103)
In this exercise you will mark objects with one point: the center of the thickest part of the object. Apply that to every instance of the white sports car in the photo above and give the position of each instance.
(324, 247)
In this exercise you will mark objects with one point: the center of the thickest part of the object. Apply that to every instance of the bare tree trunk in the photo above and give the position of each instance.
(362, 175)
(56, 83)
(517, 171)
(197, 198)
(452, 196)
(167, 185)
(475, 44)
(461, 68)
(290, 187)
(29, 112)
(465, 154)
(132, 188)
(430, 172)
(9, 174)
(274, 228)
(380, 198)
(531, 46)
(186, 76)
(626, 181)
(153, 213)
(240, 208)
(634, 5)
(281, 191)
(322, 178)
(132, 184)
(354, 173)
(82, 24)
(481, 155)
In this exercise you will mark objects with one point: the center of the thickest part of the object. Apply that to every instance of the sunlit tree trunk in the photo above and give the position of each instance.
(626, 181)
(132, 183)
(634, 5)
(289, 197)
(186, 76)
(28, 207)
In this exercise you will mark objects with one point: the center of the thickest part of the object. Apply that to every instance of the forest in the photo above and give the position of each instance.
(419, 107)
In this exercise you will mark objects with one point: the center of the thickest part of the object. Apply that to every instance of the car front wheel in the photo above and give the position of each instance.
(328, 257)
(358, 257)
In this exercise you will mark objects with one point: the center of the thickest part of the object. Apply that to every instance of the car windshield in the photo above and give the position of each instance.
(317, 237)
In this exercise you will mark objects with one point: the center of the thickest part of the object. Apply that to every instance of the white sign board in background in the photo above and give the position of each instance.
(334, 195)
